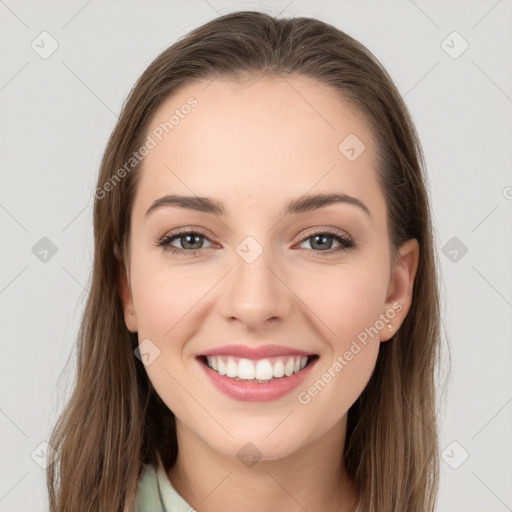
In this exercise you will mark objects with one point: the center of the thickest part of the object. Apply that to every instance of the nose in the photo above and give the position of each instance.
(256, 292)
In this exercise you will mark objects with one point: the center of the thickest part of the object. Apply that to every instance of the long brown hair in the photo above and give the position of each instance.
(115, 421)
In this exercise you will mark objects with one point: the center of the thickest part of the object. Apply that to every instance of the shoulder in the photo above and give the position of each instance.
(147, 493)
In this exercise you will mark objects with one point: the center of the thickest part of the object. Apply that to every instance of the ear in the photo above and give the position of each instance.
(401, 283)
(124, 289)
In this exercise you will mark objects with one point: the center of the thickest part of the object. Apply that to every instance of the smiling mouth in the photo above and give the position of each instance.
(262, 371)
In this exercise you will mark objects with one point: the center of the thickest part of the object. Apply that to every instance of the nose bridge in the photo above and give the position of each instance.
(255, 294)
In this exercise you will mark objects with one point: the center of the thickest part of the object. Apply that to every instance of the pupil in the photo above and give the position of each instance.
(323, 238)
(187, 237)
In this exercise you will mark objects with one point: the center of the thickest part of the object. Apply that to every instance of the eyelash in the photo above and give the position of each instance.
(345, 241)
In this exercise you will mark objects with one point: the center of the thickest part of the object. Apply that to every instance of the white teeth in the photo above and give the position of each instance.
(279, 368)
(261, 370)
(288, 367)
(231, 368)
(264, 370)
(246, 369)
(221, 366)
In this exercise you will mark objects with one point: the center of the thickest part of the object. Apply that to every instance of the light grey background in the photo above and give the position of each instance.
(58, 112)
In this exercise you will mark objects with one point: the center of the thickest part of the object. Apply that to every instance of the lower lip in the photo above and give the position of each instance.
(246, 391)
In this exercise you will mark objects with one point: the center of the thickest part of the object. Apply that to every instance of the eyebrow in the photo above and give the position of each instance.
(305, 203)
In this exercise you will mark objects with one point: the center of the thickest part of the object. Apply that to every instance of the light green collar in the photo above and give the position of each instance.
(156, 493)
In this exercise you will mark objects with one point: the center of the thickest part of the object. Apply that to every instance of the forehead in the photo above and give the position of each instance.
(269, 137)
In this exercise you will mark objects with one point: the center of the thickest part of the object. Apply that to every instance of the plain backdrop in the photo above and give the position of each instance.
(67, 67)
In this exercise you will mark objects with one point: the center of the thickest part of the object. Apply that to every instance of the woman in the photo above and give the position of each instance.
(262, 327)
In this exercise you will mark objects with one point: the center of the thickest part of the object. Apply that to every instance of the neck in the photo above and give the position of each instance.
(313, 478)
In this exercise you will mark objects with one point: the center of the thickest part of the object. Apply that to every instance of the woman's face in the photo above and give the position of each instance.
(312, 282)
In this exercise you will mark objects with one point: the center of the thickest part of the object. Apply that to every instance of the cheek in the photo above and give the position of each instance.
(345, 301)
(347, 310)
(165, 299)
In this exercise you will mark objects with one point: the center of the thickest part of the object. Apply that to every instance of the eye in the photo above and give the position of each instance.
(190, 241)
(319, 240)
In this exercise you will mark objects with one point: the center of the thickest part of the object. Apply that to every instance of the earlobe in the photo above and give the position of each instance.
(125, 294)
(401, 284)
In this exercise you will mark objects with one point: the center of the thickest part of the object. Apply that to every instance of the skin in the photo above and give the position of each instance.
(269, 140)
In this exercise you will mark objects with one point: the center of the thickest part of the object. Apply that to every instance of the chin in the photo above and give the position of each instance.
(257, 446)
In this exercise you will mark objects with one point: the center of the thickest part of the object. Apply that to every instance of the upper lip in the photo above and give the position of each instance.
(258, 352)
